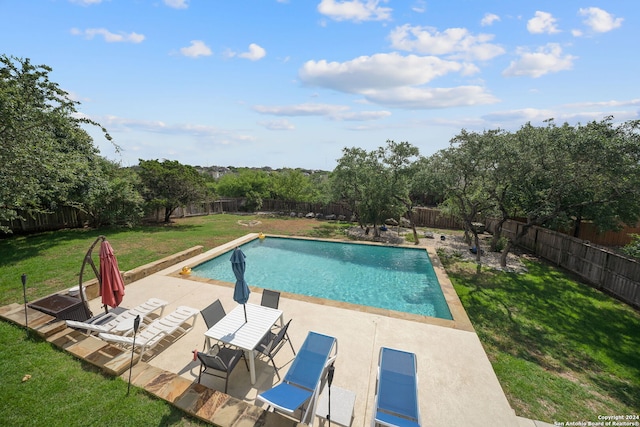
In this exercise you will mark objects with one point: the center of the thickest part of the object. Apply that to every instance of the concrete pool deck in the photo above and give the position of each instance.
(457, 385)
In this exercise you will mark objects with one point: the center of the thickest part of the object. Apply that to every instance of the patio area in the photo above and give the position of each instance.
(457, 385)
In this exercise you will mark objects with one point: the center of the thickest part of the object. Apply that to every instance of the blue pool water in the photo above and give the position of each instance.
(400, 279)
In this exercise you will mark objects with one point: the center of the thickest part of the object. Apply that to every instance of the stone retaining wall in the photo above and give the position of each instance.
(92, 289)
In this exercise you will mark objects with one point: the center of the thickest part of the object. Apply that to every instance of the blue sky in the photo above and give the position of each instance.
(290, 83)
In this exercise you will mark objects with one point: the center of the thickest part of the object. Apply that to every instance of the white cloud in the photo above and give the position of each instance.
(86, 2)
(488, 19)
(455, 42)
(108, 36)
(307, 109)
(197, 48)
(569, 113)
(283, 124)
(354, 10)
(605, 104)
(395, 80)
(420, 6)
(431, 98)
(210, 132)
(519, 115)
(255, 53)
(382, 70)
(177, 4)
(77, 97)
(546, 59)
(333, 112)
(363, 116)
(599, 20)
(543, 22)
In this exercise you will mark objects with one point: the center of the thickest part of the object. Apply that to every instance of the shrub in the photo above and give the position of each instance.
(633, 248)
(499, 245)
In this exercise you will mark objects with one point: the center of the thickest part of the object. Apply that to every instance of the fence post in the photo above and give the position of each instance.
(561, 249)
(603, 272)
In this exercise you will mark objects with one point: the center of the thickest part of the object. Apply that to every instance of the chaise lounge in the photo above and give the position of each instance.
(143, 310)
(396, 390)
(157, 330)
(303, 383)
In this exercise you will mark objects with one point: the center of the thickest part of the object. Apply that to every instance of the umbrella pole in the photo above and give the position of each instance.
(88, 260)
(136, 324)
(329, 381)
(24, 293)
(245, 312)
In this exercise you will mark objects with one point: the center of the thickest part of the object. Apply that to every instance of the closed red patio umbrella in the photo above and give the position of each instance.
(111, 283)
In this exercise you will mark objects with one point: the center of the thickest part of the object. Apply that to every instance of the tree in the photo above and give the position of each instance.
(569, 174)
(293, 185)
(254, 185)
(170, 185)
(347, 181)
(460, 173)
(112, 198)
(44, 152)
(400, 159)
(366, 185)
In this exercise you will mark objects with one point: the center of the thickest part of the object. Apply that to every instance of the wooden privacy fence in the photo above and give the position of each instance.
(268, 205)
(63, 217)
(433, 218)
(616, 274)
(68, 217)
(590, 232)
(423, 217)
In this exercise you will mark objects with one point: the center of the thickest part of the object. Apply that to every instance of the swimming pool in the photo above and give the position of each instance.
(394, 278)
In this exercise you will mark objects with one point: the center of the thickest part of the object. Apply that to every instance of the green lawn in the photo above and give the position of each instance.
(561, 350)
(52, 260)
(63, 391)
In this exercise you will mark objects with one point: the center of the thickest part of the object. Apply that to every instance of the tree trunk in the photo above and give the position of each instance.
(476, 240)
(415, 234)
(413, 227)
(497, 234)
(467, 237)
(505, 252)
(576, 228)
(167, 215)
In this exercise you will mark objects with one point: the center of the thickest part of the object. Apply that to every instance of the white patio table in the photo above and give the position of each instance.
(233, 330)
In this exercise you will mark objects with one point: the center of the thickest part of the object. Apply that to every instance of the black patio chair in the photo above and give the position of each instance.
(220, 362)
(212, 315)
(273, 342)
(270, 298)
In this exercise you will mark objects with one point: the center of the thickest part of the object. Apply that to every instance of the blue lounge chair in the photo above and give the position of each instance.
(397, 389)
(303, 383)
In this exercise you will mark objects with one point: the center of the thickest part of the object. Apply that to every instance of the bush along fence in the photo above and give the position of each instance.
(607, 271)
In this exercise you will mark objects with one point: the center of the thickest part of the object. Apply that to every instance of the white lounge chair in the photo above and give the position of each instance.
(144, 310)
(181, 321)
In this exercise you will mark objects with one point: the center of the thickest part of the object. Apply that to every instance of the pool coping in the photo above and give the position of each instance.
(460, 320)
